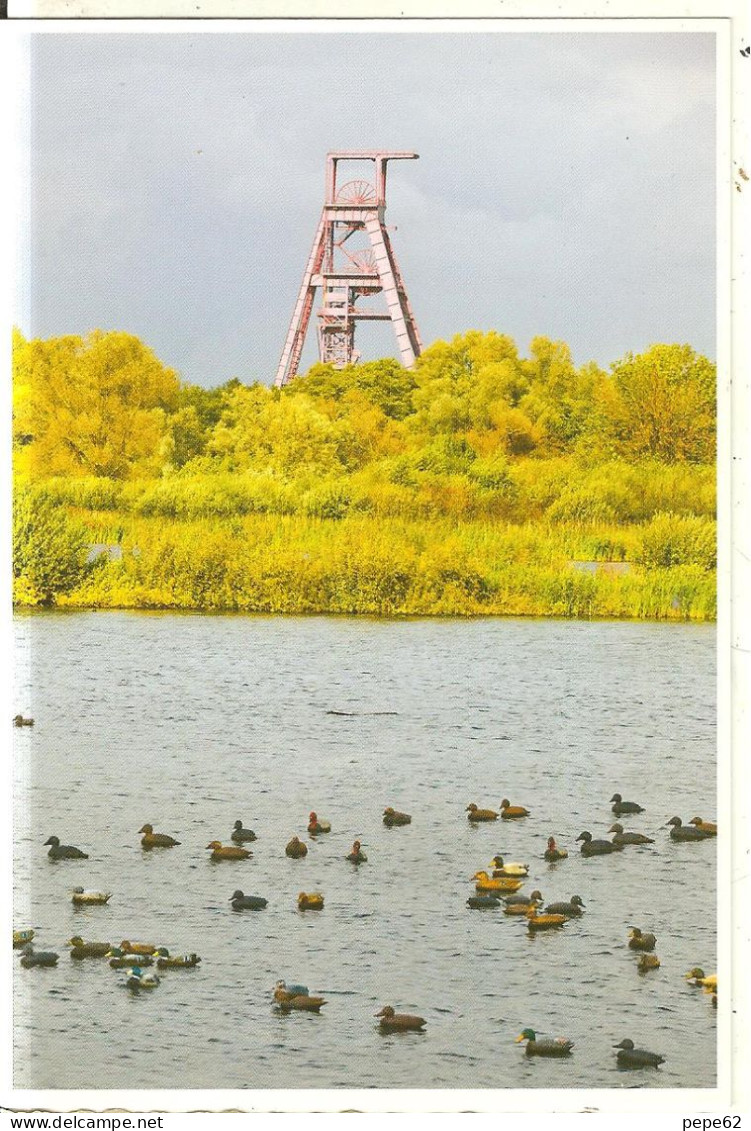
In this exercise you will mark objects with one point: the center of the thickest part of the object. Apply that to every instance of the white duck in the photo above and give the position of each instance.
(80, 896)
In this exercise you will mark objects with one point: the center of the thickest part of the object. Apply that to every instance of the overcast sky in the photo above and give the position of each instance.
(565, 186)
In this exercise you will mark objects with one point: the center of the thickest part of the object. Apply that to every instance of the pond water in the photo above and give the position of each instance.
(191, 722)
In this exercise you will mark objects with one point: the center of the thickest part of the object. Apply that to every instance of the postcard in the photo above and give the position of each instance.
(376, 479)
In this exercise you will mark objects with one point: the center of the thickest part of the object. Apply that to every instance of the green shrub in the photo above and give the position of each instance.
(50, 550)
(671, 540)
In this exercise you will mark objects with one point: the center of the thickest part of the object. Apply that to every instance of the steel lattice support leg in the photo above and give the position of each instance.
(404, 328)
(298, 327)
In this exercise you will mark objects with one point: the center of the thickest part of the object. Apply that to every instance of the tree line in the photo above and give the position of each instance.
(107, 439)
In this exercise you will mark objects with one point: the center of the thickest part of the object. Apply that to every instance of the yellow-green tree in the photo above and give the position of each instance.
(90, 406)
(559, 396)
(459, 381)
(660, 404)
(287, 435)
(384, 383)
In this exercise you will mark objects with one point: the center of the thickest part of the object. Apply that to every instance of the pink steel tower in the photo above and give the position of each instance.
(352, 258)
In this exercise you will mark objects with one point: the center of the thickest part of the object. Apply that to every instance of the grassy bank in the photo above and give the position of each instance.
(299, 564)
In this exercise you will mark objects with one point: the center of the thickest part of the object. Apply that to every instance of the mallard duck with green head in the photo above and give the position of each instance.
(697, 977)
(510, 868)
(548, 1046)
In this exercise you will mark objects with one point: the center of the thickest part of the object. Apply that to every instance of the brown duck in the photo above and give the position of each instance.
(128, 947)
(553, 853)
(357, 856)
(476, 814)
(296, 848)
(709, 828)
(509, 811)
(647, 962)
(537, 922)
(310, 901)
(391, 817)
(221, 851)
(316, 825)
(287, 1000)
(392, 1022)
(150, 839)
(638, 941)
(81, 949)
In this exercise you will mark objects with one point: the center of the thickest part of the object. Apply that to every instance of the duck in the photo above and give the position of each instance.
(221, 851)
(392, 1022)
(391, 817)
(119, 960)
(553, 853)
(239, 834)
(647, 962)
(128, 947)
(167, 961)
(509, 812)
(80, 896)
(476, 814)
(638, 941)
(513, 870)
(81, 949)
(628, 838)
(709, 828)
(697, 977)
(282, 990)
(60, 851)
(483, 902)
(485, 884)
(620, 806)
(137, 980)
(534, 897)
(21, 938)
(22, 721)
(296, 848)
(288, 997)
(242, 902)
(572, 910)
(357, 856)
(150, 839)
(537, 922)
(316, 826)
(533, 900)
(597, 847)
(31, 957)
(629, 1057)
(551, 1046)
(679, 831)
(310, 901)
